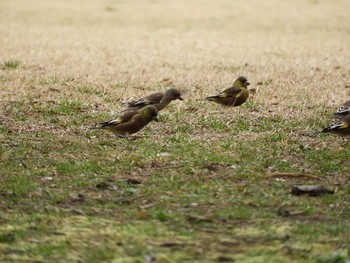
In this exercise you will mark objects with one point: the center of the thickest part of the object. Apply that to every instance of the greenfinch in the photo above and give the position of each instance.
(233, 96)
(342, 127)
(160, 100)
(131, 121)
(342, 111)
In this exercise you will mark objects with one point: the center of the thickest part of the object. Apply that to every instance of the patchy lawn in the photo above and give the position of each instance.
(206, 183)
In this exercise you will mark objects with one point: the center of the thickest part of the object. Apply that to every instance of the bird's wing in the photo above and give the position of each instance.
(230, 92)
(148, 100)
(124, 118)
(337, 126)
(343, 109)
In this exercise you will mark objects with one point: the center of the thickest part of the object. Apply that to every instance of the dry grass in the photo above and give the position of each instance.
(66, 65)
(300, 46)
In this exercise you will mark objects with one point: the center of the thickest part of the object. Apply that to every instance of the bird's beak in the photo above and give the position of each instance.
(156, 119)
(181, 98)
(247, 83)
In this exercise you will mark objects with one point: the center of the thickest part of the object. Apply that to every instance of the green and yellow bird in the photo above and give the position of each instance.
(233, 96)
(159, 99)
(131, 121)
(342, 127)
(342, 111)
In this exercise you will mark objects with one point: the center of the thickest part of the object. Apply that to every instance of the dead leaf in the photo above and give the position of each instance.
(312, 190)
(54, 90)
(198, 219)
(225, 259)
(103, 185)
(252, 91)
(142, 214)
(133, 181)
(106, 186)
(171, 244)
(78, 198)
(146, 206)
(166, 79)
(211, 167)
(283, 211)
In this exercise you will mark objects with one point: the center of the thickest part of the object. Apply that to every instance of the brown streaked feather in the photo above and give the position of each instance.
(342, 127)
(124, 118)
(233, 96)
(230, 97)
(148, 100)
(135, 124)
(342, 111)
(231, 92)
(159, 99)
(131, 121)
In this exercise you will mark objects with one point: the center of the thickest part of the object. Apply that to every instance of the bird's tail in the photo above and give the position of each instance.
(107, 124)
(328, 129)
(314, 133)
(311, 134)
(212, 98)
(102, 125)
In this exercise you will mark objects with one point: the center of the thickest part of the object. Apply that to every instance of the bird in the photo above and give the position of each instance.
(159, 99)
(342, 111)
(131, 121)
(233, 96)
(341, 127)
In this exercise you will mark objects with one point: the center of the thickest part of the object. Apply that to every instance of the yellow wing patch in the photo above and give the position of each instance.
(344, 126)
(115, 122)
(223, 95)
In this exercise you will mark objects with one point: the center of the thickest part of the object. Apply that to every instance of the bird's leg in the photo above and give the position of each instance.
(119, 135)
(233, 101)
(230, 121)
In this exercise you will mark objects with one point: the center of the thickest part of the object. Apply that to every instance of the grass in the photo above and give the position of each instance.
(200, 185)
(11, 64)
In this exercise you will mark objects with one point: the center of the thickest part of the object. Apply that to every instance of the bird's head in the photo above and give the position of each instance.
(173, 94)
(241, 82)
(149, 112)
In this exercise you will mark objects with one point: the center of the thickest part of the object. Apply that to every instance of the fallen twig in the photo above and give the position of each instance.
(296, 175)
